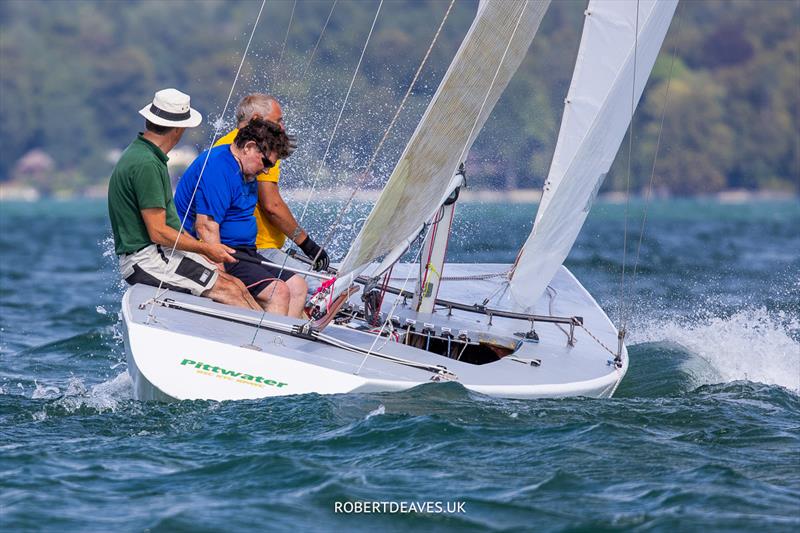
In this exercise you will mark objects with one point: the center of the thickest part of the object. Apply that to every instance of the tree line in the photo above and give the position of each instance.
(74, 73)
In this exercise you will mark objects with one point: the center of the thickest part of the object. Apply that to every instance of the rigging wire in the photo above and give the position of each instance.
(303, 77)
(308, 64)
(217, 128)
(366, 171)
(344, 210)
(648, 193)
(316, 45)
(330, 140)
(463, 151)
(285, 40)
(341, 112)
(628, 179)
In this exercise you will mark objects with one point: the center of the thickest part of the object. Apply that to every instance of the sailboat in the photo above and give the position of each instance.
(526, 330)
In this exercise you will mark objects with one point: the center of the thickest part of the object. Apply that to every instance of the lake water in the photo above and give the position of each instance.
(703, 434)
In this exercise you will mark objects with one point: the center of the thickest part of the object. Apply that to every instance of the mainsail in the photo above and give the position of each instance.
(597, 112)
(492, 50)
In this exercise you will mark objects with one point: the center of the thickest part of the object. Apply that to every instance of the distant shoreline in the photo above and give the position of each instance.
(521, 196)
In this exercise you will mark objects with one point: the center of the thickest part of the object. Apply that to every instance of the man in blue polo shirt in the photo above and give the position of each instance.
(218, 194)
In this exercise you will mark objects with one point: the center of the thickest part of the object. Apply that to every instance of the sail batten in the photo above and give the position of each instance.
(597, 113)
(482, 68)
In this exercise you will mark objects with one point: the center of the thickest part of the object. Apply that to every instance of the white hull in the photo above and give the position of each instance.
(184, 355)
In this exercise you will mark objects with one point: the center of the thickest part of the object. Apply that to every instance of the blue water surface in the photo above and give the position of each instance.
(703, 434)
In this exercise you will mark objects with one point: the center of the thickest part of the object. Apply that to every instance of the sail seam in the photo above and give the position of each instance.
(491, 85)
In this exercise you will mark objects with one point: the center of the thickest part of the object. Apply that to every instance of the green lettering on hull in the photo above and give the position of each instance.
(253, 380)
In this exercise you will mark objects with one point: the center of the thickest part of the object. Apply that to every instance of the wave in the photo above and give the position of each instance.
(750, 344)
(102, 339)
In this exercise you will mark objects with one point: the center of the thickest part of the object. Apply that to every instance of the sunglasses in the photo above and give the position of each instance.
(264, 159)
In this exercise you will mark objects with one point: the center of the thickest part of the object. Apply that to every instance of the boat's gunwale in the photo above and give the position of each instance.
(602, 385)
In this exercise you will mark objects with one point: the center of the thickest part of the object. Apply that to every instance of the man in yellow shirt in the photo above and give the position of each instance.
(273, 217)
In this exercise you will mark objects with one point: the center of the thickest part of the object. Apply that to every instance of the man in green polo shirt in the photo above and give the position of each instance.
(143, 217)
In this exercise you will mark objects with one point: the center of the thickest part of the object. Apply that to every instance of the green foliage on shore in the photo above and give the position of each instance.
(73, 74)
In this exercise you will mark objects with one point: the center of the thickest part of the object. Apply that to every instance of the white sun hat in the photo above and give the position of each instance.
(170, 107)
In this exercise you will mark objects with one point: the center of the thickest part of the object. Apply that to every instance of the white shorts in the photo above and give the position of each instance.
(186, 272)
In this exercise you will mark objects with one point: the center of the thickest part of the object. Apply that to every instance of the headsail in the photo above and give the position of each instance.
(597, 113)
(502, 31)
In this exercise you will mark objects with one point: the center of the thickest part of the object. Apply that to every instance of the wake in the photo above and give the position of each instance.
(750, 344)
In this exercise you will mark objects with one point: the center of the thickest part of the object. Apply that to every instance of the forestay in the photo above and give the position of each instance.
(493, 49)
(597, 112)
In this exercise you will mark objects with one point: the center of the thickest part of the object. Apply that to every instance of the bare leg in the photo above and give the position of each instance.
(298, 292)
(274, 298)
(230, 290)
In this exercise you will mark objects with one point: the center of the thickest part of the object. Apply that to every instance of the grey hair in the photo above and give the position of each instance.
(252, 104)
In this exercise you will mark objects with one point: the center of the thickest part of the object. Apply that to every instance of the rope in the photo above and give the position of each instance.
(374, 156)
(477, 277)
(598, 341)
(648, 193)
(261, 281)
(628, 180)
(384, 286)
(551, 292)
(159, 293)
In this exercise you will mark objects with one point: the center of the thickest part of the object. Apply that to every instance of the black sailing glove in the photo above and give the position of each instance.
(292, 144)
(316, 253)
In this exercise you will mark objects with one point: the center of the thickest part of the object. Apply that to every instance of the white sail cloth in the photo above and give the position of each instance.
(597, 113)
(476, 78)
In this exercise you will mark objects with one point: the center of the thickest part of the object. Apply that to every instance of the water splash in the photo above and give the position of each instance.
(750, 344)
(43, 392)
(101, 397)
(380, 410)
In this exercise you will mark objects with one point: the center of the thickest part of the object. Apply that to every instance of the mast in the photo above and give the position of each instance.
(434, 249)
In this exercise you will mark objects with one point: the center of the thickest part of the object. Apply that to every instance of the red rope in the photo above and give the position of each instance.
(325, 285)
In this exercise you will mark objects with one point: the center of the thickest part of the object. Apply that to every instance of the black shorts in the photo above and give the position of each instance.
(255, 277)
